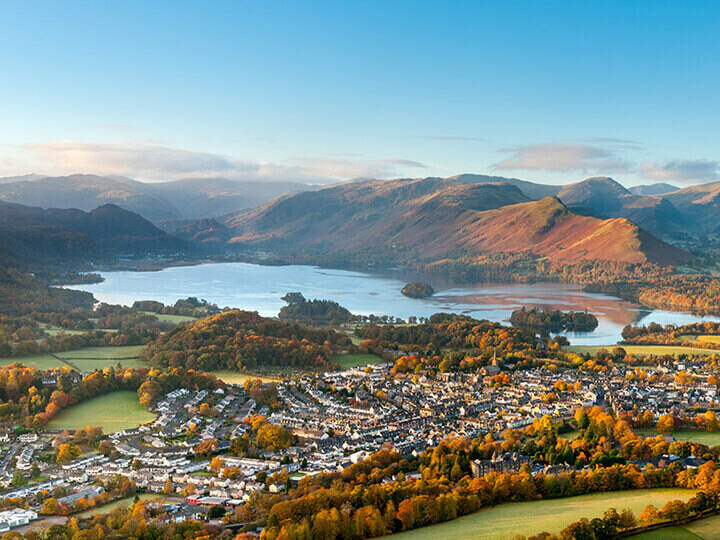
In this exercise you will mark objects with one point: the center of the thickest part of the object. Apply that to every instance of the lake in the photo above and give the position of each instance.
(259, 288)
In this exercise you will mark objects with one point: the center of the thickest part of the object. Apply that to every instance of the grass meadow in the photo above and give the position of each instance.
(702, 437)
(114, 412)
(551, 515)
(348, 361)
(644, 350)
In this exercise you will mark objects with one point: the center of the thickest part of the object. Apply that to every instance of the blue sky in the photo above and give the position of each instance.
(547, 91)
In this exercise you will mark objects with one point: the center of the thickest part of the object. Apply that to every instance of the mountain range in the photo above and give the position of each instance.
(181, 199)
(439, 216)
(595, 218)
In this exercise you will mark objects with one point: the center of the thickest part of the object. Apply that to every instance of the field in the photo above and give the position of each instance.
(114, 412)
(235, 377)
(552, 515)
(348, 361)
(101, 357)
(641, 350)
(175, 319)
(701, 338)
(670, 533)
(702, 437)
(84, 359)
(704, 529)
(38, 361)
(127, 501)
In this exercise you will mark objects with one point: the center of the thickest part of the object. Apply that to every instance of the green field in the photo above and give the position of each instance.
(114, 412)
(702, 437)
(670, 533)
(641, 350)
(552, 515)
(127, 501)
(175, 319)
(703, 529)
(38, 361)
(235, 377)
(702, 338)
(84, 359)
(348, 361)
(707, 529)
(101, 357)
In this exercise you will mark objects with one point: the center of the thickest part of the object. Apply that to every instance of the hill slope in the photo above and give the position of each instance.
(700, 205)
(607, 198)
(436, 217)
(32, 234)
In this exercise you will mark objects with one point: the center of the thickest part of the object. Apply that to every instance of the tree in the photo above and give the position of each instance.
(18, 479)
(168, 488)
(666, 423)
(216, 465)
(674, 510)
(67, 452)
(50, 506)
(650, 514)
(216, 512)
(627, 519)
(711, 421)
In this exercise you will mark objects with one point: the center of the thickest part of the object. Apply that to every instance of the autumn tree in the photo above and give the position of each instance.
(67, 452)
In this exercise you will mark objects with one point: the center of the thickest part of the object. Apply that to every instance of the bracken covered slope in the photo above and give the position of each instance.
(439, 216)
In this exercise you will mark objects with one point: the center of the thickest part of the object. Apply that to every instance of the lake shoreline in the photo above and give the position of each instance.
(260, 288)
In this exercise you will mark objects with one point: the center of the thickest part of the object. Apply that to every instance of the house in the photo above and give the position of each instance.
(16, 517)
(509, 461)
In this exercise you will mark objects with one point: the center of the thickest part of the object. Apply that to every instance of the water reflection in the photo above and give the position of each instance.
(259, 288)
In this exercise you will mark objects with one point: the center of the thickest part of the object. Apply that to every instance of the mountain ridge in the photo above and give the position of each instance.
(438, 216)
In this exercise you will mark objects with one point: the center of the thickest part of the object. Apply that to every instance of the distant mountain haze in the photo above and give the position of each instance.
(181, 199)
(214, 211)
(659, 188)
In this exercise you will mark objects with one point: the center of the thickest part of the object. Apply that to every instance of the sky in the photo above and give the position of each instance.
(323, 91)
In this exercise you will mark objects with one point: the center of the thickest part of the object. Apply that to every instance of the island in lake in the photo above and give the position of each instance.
(417, 289)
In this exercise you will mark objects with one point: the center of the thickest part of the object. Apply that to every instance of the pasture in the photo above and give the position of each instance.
(114, 412)
(644, 350)
(550, 515)
(703, 529)
(706, 338)
(37, 361)
(127, 501)
(236, 377)
(702, 437)
(101, 357)
(348, 361)
(174, 319)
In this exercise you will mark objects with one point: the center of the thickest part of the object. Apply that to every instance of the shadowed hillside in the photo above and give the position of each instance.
(33, 234)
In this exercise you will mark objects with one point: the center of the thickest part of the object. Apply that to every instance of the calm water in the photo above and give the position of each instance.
(259, 288)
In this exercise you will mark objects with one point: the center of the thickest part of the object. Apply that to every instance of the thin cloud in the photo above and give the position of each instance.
(452, 138)
(560, 157)
(618, 144)
(154, 162)
(688, 171)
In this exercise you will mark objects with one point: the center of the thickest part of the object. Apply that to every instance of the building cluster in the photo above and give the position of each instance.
(337, 419)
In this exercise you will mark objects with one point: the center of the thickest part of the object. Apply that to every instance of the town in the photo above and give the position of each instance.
(192, 457)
